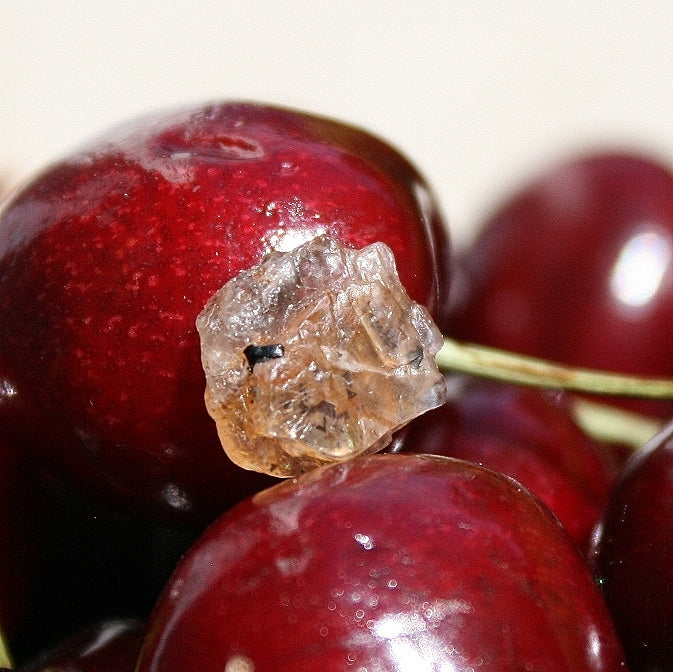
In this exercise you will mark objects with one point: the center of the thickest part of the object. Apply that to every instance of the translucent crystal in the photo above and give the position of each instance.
(316, 355)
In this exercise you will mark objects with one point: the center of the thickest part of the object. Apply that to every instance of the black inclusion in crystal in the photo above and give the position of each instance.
(256, 354)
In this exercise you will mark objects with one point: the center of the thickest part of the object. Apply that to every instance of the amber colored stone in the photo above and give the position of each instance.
(316, 355)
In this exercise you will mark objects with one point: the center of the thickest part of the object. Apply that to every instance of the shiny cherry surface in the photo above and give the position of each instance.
(578, 267)
(108, 646)
(21, 539)
(108, 256)
(633, 555)
(95, 564)
(529, 435)
(386, 563)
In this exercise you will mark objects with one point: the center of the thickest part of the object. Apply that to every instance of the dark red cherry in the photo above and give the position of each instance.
(21, 538)
(97, 564)
(107, 257)
(633, 555)
(578, 267)
(531, 436)
(387, 562)
(108, 646)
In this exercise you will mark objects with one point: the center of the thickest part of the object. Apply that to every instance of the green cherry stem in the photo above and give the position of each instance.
(5, 658)
(600, 420)
(478, 360)
(614, 425)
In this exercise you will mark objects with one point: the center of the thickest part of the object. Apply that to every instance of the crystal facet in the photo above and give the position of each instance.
(316, 355)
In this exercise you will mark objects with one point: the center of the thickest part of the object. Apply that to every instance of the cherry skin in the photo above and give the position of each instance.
(108, 646)
(107, 257)
(632, 554)
(529, 435)
(96, 564)
(21, 537)
(386, 562)
(578, 267)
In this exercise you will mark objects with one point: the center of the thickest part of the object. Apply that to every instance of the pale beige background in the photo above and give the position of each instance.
(477, 93)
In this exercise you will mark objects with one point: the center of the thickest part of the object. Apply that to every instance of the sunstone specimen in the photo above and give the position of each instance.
(316, 355)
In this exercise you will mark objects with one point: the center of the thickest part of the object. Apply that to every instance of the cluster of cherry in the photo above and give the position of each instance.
(506, 529)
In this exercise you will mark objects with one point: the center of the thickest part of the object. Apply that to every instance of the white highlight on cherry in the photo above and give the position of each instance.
(641, 267)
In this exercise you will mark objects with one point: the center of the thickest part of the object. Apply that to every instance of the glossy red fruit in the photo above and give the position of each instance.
(108, 646)
(96, 564)
(633, 555)
(107, 258)
(529, 435)
(21, 537)
(578, 267)
(387, 562)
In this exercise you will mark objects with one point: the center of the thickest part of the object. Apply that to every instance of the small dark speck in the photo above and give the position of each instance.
(416, 358)
(257, 354)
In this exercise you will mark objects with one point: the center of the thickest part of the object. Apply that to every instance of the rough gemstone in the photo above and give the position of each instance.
(316, 355)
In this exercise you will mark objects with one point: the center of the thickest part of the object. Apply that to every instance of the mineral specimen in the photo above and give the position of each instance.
(316, 355)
